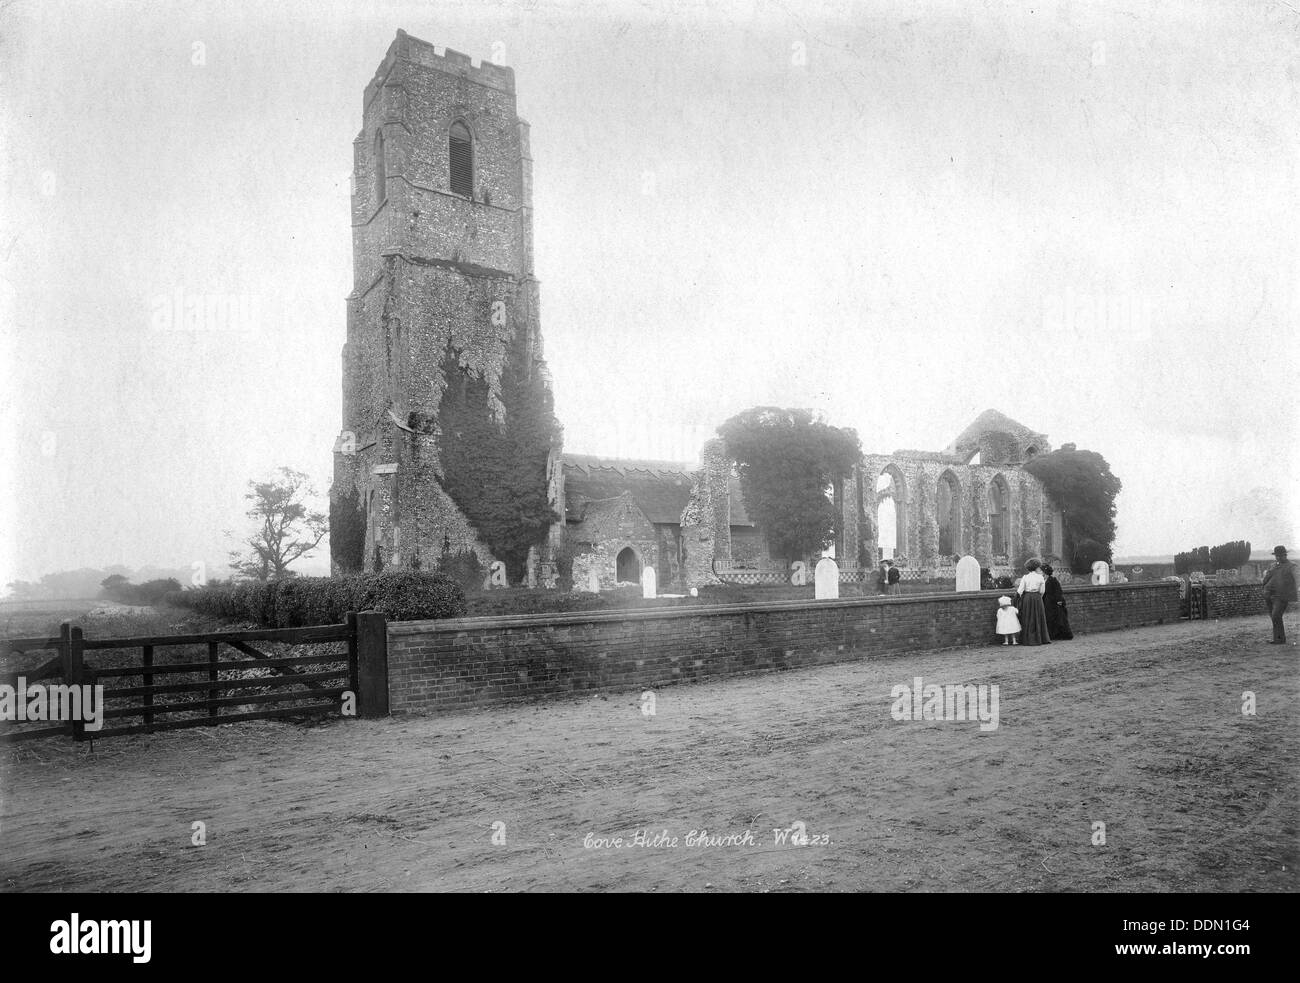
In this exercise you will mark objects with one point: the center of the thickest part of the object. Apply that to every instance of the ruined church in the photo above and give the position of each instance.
(446, 394)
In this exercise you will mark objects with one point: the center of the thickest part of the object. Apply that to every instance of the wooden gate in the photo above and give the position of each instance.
(168, 682)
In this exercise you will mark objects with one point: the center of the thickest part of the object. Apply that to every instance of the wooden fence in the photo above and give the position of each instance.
(234, 680)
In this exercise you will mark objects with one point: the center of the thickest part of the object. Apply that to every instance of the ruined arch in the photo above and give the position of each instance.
(891, 512)
(948, 515)
(1000, 516)
(627, 566)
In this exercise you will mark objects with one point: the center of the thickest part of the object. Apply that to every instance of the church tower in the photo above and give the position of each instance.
(443, 295)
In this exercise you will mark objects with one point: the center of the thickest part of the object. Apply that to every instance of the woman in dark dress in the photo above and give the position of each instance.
(1033, 614)
(1058, 617)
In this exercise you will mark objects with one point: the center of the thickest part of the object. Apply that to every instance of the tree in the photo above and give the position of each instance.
(494, 458)
(1194, 560)
(787, 459)
(115, 587)
(347, 530)
(22, 590)
(1229, 556)
(1081, 485)
(287, 529)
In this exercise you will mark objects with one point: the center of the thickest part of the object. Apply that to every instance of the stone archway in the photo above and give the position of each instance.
(627, 567)
(1000, 516)
(948, 516)
(891, 513)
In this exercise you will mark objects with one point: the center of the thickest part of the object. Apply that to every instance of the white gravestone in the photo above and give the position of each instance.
(648, 578)
(968, 574)
(1100, 573)
(826, 579)
(798, 573)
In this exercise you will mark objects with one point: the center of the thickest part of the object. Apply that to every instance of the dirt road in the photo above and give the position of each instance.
(1140, 730)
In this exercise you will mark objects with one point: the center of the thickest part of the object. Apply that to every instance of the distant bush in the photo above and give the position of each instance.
(295, 602)
(118, 588)
(464, 567)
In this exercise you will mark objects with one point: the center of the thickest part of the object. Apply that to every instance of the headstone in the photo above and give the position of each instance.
(648, 578)
(826, 579)
(968, 574)
(532, 566)
(1100, 573)
(798, 573)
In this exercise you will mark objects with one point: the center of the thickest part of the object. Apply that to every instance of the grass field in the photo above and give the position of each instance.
(1142, 730)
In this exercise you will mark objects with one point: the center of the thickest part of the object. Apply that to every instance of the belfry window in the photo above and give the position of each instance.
(461, 152)
(381, 183)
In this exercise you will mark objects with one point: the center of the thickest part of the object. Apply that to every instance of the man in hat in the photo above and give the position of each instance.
(1279, 591)
(889, 577)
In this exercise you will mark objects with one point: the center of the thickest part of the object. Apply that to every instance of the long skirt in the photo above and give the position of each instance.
(1058, 621)
(1033, 620)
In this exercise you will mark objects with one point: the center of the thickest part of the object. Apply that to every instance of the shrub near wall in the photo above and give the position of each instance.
(300, 601)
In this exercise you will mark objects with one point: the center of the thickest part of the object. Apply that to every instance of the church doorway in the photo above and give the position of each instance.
(627, 567)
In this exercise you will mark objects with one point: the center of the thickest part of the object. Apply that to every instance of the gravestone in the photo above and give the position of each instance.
(532, 566)
(968, 574)
(798, 573)
(826, 579)
(648, 578)
(1100, 573)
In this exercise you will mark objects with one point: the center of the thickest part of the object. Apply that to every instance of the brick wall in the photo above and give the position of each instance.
(460, 662)
(1235, 600)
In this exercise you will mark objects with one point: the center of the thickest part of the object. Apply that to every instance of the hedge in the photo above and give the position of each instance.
(294, 602)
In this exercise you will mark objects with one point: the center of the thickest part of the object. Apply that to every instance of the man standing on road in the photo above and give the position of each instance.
(1279, 591)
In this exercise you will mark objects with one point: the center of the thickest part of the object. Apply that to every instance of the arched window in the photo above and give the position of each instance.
(460, 146)
(949, 516)
(891, 513)
(381, 181)
(999, 497)
(627, 568)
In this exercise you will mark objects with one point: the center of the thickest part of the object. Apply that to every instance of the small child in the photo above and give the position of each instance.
(1008, 621)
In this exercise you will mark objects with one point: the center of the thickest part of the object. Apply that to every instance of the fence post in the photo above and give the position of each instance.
(372, 664)
(353, 682)
(75, 672)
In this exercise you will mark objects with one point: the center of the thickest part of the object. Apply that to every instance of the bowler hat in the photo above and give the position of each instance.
(1279, 551)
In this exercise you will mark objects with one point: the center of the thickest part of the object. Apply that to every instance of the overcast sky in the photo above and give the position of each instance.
(899, 214)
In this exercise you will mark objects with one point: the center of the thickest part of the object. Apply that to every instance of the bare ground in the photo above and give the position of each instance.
(1142, 730)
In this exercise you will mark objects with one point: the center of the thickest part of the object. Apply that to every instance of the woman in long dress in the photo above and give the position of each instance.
(1033, 614)
(1058, 617)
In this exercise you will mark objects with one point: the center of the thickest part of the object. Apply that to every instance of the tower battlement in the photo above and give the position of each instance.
(449, 61)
